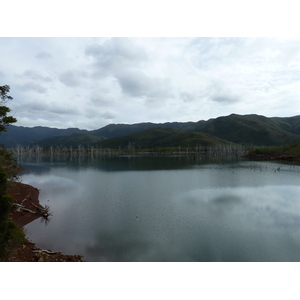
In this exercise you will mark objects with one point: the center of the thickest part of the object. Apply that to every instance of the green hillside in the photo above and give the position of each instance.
(19, 135)
(117, 130)
(291, 124)
(161, 137)
(73, 140)
(253, 129)
(241, 129)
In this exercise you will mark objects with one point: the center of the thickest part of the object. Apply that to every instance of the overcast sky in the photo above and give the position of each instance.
(58, 79)
(91, 82)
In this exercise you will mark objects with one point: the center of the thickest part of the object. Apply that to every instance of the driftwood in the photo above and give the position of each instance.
(46, 251)
(20, 207)
(42, 211)
(45, 211)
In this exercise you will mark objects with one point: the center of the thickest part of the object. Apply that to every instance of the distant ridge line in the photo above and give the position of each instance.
(234, 128)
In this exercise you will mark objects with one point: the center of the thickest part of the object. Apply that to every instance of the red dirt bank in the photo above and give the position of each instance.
(28, 252)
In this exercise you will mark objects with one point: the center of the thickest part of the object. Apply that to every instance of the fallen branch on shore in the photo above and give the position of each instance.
(42, 211)
(20, 207)
(46, 251)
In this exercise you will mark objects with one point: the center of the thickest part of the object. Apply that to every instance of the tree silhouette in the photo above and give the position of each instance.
(5, 120)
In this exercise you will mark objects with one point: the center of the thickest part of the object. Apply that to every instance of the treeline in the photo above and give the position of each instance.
(286, 151)
(37, 151)
(11, 235)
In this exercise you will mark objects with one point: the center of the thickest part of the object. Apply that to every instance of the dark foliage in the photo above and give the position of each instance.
(5, 120)
(247, 130)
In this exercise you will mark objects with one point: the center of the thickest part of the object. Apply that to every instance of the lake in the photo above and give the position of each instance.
(167, 208)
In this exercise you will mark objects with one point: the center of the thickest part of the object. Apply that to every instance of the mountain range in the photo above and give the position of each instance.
(251, 129)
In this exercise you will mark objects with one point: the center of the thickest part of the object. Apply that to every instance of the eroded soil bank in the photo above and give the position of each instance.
(28, 252)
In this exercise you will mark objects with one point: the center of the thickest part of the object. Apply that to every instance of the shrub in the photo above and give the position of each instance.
(11, 235)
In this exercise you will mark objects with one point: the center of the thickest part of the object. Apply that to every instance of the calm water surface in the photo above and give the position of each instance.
(133, 208)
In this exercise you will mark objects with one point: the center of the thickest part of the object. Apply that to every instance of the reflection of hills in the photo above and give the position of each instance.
(34, 169)
(242, 211)
(125, 163)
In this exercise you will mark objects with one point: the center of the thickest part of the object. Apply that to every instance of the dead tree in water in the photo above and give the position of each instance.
(41, 211)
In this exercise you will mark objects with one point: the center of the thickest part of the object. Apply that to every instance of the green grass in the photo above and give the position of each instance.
(286, 150)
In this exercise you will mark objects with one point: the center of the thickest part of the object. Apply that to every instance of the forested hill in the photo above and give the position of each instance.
(117, 130)
(45, 136)
(242, 129)
(19, 135)
(254, 129)
(161, 137)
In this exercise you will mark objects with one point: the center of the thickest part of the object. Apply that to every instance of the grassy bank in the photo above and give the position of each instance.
(283, 152)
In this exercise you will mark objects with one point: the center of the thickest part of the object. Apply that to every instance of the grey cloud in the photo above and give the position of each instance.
(108, 115)
(30, 86)
(187, 97)
(33, 75)
(122, 59)
(64, 110)
(73, 78)
(219, 92)
(33, 106)
(43, 55)
(96, 113)
(225, 99)
(137, 84)
(102, 100)
(44, 108)
(91, 112)
(115, 54)
(134, 83)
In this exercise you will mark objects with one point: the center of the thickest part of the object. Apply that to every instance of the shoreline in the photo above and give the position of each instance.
(272, 157)
(28, 252)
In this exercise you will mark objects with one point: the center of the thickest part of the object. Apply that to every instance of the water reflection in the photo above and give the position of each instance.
(234, 211)
(124, 162)
(211, 226)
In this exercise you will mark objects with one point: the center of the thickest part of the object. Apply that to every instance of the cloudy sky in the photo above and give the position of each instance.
(58, 79)
(91, 82)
